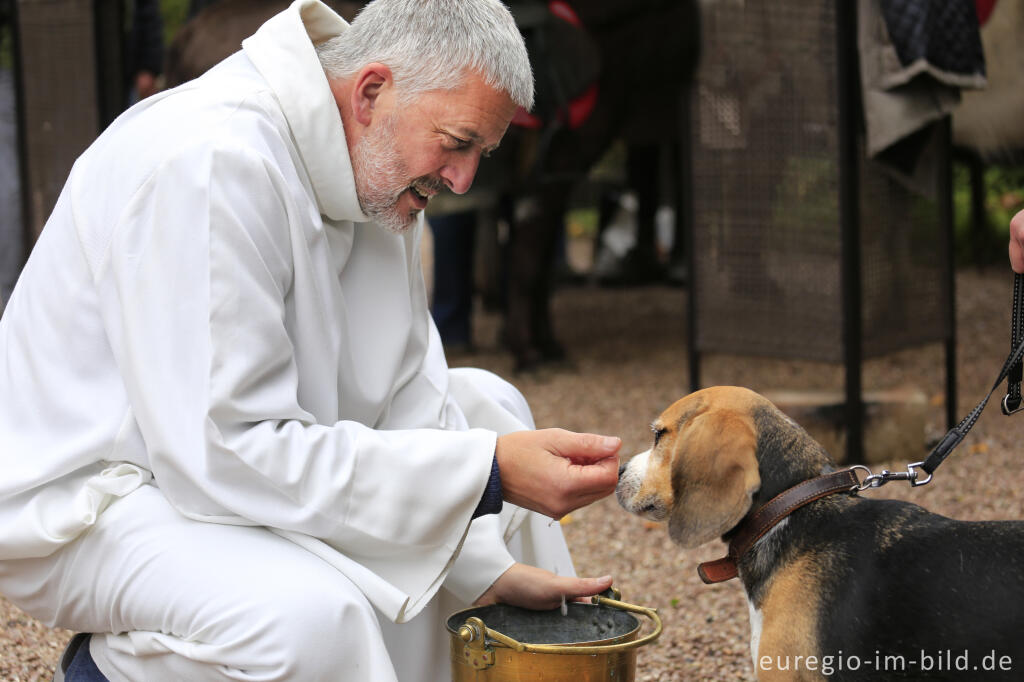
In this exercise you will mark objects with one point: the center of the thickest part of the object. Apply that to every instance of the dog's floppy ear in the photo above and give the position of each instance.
(715, 476)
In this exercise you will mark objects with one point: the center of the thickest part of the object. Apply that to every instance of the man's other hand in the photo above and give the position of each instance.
(1016, 245)
(535, 588)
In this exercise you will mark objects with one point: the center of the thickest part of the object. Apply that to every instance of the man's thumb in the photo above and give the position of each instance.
(589, 447)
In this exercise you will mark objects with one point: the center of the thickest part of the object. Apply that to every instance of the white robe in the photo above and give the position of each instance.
(208, 311)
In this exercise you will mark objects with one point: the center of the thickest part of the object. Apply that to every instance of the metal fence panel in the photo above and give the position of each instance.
(766, 198)
(60, 99)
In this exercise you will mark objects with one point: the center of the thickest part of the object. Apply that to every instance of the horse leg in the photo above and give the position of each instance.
(532, 246)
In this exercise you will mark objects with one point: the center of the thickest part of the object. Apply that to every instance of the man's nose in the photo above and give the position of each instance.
(458, 173)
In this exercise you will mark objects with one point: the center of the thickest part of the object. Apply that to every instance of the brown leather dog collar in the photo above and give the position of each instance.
(754, 526)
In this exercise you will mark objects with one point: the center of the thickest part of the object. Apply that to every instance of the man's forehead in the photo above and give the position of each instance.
(476, 107)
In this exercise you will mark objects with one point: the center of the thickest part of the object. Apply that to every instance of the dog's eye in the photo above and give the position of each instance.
(658, 433)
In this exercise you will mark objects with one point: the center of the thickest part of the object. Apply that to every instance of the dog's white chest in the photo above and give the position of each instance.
(756, 620)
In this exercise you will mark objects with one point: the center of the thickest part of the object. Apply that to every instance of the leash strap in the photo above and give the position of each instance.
(1011, 368)
(1011, 403)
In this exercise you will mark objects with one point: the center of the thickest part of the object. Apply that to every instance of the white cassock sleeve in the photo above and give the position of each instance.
(194, 295)
(485, 400)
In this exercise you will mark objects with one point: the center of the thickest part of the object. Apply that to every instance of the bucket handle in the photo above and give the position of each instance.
(474, 630)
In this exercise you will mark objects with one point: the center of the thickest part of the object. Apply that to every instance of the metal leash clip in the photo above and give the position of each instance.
(1007, 410)
(872, 480)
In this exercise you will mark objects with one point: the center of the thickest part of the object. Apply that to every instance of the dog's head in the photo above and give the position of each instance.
(715, 453)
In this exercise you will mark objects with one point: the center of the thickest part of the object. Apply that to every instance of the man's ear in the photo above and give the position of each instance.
(372, 81)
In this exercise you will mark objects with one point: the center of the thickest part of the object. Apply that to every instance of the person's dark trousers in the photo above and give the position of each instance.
(76, 665)
(454, 238)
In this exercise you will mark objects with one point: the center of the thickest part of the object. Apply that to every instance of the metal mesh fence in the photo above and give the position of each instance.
(58, 62)
(766, 198)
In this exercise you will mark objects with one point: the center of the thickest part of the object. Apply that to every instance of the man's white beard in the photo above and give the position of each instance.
(381, 178)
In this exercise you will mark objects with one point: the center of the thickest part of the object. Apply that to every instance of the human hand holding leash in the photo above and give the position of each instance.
(554, 471)
(535, 588)
(1017, 242)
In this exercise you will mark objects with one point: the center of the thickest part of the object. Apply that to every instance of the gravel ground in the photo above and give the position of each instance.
(628, 363)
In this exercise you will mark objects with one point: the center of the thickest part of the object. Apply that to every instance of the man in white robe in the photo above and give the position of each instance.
(231, 446)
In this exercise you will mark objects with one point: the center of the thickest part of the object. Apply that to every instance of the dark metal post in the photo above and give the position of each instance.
(685, 221)
(111, 90)
(849, 223)
(945, 198)
(980, 238)
(28, 238)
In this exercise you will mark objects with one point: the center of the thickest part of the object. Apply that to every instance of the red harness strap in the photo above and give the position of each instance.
(579, 108)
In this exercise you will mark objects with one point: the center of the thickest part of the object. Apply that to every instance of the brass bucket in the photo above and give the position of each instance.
(590, 643)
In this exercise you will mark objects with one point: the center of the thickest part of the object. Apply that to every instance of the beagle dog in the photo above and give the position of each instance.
(839, 586)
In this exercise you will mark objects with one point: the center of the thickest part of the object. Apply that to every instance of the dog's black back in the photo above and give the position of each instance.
(902, 593)
(907, 594)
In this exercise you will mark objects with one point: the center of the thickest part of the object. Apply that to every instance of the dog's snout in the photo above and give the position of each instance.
(622, 468)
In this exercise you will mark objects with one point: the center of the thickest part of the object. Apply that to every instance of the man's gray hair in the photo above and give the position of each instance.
(430, 44)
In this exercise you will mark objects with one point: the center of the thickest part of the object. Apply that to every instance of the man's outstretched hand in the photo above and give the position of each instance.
(535, 588)
(554, 471)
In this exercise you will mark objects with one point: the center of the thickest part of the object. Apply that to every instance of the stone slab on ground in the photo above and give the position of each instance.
(894, 421)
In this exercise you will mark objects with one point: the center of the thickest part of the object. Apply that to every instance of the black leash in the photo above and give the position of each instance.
(1012, 371)
(1011, 403)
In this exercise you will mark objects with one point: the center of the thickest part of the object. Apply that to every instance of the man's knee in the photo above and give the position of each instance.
(499, 390)
(315, 632)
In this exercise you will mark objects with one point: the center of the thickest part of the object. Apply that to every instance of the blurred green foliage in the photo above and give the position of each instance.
(174, 13)
(1004, 196)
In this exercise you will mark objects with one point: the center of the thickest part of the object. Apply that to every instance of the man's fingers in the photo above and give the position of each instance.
(599, 477)
(578, 588)
(584, 448)
(1017, 257)
(1017, 242)
(584, 485)
(536, 588)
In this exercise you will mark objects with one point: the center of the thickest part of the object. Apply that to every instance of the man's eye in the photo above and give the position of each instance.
(459, 143)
